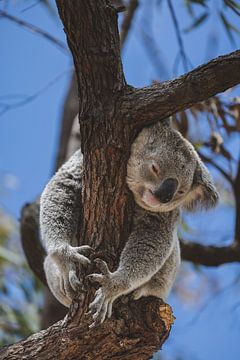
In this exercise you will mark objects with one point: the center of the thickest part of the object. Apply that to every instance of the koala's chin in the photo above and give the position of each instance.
(149, 202)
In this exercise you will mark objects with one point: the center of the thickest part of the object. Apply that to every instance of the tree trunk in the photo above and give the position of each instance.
(136, 329)
(110, 114)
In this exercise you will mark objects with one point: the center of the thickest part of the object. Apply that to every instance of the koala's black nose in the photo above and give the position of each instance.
(167, 190)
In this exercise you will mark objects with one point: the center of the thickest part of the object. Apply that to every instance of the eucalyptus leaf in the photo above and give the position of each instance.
(200, 20)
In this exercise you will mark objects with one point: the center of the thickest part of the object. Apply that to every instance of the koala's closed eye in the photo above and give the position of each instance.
(155, 168)
(181, 192)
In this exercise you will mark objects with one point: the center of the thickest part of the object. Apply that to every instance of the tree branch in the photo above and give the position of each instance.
(111, 340)
(236, 190)
(209, 255)
(30, 239)
(178, 34)
(147, 105)
(70, 111)
(135, 330)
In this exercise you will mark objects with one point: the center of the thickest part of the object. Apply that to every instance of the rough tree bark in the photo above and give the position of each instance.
(69, 112)
(110, 115)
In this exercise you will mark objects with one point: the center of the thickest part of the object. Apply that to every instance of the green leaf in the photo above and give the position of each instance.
(199, 2)
(189, 5)
(232, 3)
(200, 20)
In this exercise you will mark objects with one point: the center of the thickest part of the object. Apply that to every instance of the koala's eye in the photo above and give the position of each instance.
(155, 169)
(181, 192)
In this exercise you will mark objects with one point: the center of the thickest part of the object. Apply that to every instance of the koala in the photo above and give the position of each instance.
(60, 208)
(164, 174)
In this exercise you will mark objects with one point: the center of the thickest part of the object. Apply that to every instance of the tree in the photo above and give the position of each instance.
(111, 114)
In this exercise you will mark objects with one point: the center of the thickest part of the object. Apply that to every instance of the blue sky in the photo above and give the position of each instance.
(29, 135)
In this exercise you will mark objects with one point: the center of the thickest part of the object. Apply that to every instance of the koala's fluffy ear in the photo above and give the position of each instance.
(203, 193)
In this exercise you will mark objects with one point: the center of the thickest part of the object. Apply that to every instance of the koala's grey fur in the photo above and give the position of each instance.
(151, 257)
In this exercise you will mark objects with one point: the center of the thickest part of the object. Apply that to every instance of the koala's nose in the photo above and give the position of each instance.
(167, 190)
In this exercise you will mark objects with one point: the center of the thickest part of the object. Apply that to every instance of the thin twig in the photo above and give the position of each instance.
(37, 2)
(179, 38)
(7, 107)
(35, 30)
(127, 21)
(228, 3)
(154, 55)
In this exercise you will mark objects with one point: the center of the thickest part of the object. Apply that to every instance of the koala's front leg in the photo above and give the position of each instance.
(112, 286)
(60, 211)
(161, 283)
(145, 253)
(61, 271)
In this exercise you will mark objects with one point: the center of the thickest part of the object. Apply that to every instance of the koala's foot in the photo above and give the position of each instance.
(151, 288)
(61, 271)
(138, 293)
(111, 288)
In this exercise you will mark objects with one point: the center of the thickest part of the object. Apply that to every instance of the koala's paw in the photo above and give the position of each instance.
(68, 258)
(76, 254)
(101, 307)
(70, 285)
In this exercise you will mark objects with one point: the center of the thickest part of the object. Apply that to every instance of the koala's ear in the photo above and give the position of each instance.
(203, 193)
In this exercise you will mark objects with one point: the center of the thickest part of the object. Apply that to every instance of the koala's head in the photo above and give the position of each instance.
(165, 172)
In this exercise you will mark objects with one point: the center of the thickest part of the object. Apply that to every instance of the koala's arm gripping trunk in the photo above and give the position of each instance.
(148, 247)
(146, 251)
(60, 204)
(60, 210)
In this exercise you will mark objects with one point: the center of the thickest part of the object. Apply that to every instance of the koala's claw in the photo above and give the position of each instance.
(101, 306)
(74, 281)
(76, 254)
(95, 278)
(67, 259)
(102, 265)
(85, 250)
(100, 278)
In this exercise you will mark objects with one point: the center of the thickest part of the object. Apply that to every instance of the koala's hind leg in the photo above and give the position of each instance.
(58, 281)
(162, 282)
